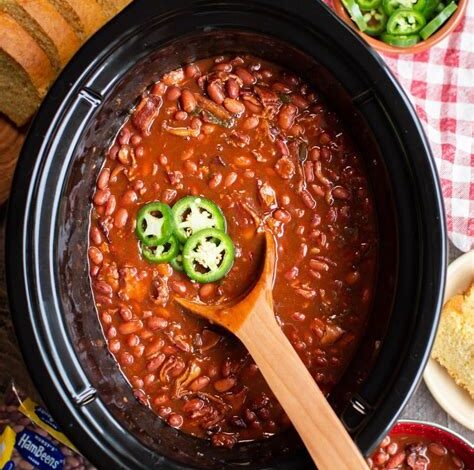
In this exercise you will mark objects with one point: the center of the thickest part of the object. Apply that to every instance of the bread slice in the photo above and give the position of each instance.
(86, 15)
(112, 7)
(55, 26)
(454, 344)
(32, 27)
(25, 71)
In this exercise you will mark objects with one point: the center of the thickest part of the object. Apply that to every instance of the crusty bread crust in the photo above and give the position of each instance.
(55, 26)
(91, 14)
(454, 344)
(23, 49)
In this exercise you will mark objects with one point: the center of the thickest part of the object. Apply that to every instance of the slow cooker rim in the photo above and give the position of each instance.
(17, 290)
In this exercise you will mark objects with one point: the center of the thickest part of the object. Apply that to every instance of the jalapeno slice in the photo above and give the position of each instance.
(430, 8)
(400, 41)
(355, 13)
(177, 262)
(161, 253)
(405, 22)
(367, 5)
(391, 6)
(376, 21)
(438, 21)
(154, 223)
(208, 255)
(193, 213)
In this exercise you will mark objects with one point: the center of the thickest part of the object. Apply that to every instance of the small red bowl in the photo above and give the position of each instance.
(451, 440)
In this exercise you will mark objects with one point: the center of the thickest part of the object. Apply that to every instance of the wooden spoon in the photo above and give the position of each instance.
(252, 320)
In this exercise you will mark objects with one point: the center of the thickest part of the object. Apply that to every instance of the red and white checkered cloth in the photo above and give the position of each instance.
(440, 83)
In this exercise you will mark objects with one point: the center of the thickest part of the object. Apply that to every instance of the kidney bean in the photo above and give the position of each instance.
(156, 323)
(178, 287)
(111, 332)
(103, 180)
(230, 179)
(380, 458)
(206, 291)
(106, 318)
(181, 116)
(124, 136)
(314, 154)
(123, 155)
(299, 101)
(195, 404)
(279, 87)
(125, 313)
(243, 161)
(246, 77)
(394, 461)
(136, 140)
(126, 359)
(232, 88)
(198, 384)
(164, 411)
(152, 348)
(160, 399)
(392, 448)
(215, 180)
(110, 205)
(318, 265)
(129, 327)
(155, 363)
(291, 274)
(95, 236)
(286, 116)
(103, 288)
(175, 420)
(113, 151)
(308, 200)
(341, 193)
(133, 340)
(282, 215)
(233, 106)
(173, 93)
(224, 385)
(121, 218)
(437, 449)
(95, 255)
(308, 171)
(298, 316)
(101, 197)
(191, 71)
(129, 197)
(139, 151)
(188, 101)
(215, 93)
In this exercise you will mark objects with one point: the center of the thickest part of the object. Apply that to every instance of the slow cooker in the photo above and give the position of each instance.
(48, 218)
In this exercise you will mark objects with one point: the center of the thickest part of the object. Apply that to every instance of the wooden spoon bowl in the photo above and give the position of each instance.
(253, 321)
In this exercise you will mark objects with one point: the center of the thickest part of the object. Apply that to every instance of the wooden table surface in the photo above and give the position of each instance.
(421, 406)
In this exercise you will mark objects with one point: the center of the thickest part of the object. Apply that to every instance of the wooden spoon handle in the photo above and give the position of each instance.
(323, 434)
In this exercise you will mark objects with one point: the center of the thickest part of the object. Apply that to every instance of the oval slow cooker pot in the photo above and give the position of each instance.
(48, 220)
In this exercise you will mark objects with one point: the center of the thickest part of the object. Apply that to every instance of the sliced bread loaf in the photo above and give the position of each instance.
(25, 71)
(13, 9)
(454, 344)
(88, 15)
(54, 25)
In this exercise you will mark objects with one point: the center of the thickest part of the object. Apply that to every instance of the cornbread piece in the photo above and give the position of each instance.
(43, 22)
(86, 16)
(112, 7)
(454, 345)
(25, 71)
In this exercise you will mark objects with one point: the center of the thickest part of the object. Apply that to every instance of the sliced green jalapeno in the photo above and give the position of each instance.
(161, 253)
(430, 8)
(376, 21)
(438, 21)
(193, 213)
(400, 41)
(154, 223)
(367, 5)
(391, 6)
(208, 255)
(177, 262)
(405, 22)
(355, 13)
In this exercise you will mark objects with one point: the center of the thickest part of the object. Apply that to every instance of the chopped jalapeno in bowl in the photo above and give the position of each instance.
(398, 23)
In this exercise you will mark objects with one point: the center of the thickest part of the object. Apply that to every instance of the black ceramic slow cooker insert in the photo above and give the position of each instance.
(48, 223)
